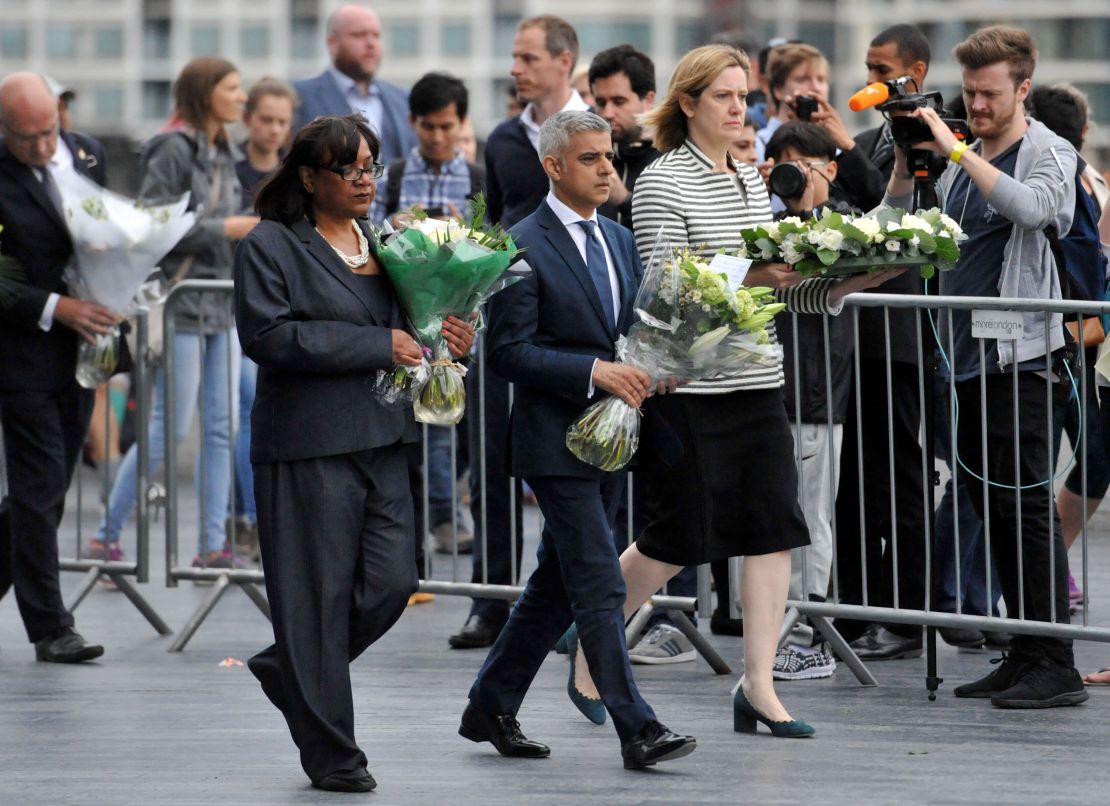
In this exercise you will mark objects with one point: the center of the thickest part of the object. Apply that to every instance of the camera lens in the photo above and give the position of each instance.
(788, 181)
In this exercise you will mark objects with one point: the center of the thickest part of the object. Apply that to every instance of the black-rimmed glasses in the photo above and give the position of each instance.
(353, 173)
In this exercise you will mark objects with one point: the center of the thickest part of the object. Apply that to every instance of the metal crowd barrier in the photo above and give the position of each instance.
(120, 573)
(938, 332)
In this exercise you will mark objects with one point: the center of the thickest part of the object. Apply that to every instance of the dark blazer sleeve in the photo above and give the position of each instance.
(514, 315)
(495, 201)
(862, 182)
(274, 334)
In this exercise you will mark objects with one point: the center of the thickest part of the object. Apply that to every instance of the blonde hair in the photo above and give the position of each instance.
(697, 70)
(999, 43)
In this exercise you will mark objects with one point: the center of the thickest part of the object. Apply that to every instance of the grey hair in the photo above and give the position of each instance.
(556, 131)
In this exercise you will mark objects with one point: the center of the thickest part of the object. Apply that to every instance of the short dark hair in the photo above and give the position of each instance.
(436, 91)
(804, 137)
(1062, 108)
(911, 44)
(558, 35)
(329, 140)
(638, 66)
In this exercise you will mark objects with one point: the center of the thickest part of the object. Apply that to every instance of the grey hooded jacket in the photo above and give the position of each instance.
(1041, 192)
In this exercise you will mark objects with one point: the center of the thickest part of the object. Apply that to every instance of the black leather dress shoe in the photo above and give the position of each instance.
(879, 643)
(502, 731)
(476, 633)
(654, 743)
(961, 637)
(356, 780)
(66, 646)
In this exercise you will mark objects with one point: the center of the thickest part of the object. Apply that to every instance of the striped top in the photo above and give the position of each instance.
(705, 210)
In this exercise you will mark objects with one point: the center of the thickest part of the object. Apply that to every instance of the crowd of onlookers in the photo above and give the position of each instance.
(856, 420)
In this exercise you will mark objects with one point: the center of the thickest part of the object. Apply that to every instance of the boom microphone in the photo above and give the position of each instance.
(869, 96)
(877, 93)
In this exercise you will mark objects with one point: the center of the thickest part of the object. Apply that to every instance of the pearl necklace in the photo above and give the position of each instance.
(352, 261)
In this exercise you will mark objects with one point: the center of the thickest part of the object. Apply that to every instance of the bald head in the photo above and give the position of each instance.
(355, 42)
(29, 118)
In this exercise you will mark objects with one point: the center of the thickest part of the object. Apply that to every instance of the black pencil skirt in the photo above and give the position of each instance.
(734, 492)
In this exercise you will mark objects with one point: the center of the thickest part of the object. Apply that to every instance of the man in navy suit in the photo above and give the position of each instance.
(553, 335)
(349, 84)
(43, 412)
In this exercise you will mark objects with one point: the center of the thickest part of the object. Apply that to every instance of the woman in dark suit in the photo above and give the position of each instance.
(335, 511)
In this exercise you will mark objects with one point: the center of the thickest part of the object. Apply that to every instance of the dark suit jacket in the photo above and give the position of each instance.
(36, 237)
(322, 96)
(545, 333)
(317, 344)
(515, 180)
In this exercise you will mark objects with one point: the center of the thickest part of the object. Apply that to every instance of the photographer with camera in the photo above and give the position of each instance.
(1018, 179)
(797, 77)
(805, 169)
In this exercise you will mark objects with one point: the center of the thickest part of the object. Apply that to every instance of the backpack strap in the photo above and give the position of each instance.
(393, 186)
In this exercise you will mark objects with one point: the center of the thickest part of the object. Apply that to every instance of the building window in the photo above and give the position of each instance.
(204, 40)
(597, 36)
(109, 104)
(254, 41)
(61, 42)
(13, 42)
(687, 36)
(304, 38)
(456, 39)
(108, 43)
(156, 100)
(156, 39)
(403, 38)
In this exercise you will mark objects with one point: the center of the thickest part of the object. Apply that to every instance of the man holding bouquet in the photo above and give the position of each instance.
(553, 335)
(44, 413)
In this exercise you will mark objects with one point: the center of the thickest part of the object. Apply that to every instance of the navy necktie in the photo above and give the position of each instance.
(599, 269)
(51, 188)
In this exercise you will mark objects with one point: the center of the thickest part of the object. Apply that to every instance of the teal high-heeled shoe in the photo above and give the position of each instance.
(592, 709)
(561, 644)
(744, 717)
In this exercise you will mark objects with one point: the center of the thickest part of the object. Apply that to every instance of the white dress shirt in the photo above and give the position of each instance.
(573, 104)
(60, 167)
(569, 219)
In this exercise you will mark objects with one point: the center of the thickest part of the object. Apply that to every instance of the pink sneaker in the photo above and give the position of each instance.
(101, 550)
(1075, 594)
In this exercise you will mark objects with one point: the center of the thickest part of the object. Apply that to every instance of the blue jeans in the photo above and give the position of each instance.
(244, 475)
(441, 472)
(213, 477)
(973, 555)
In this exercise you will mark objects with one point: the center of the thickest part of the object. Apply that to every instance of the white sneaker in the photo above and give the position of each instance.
(802, 663)
(663, 644)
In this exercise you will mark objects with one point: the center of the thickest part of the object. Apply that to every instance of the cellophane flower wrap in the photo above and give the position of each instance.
(833, 243)
(692, 324)
(442, 268)
(117, 244)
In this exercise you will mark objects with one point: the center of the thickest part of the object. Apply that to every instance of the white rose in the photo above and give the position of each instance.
(892, 245)
(790, 253)
(915, 241)
(813, 236)
(831, 239)
(773, 232)
(868, 226)
(916, 222)
(893, 226)
(792, 219)
(949, 223)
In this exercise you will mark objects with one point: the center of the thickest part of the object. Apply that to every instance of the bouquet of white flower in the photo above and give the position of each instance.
(442, 268)
(834, 244)
(117, 243)
(695, 322)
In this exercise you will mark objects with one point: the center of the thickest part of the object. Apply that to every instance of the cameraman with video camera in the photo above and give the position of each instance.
(1018, 179)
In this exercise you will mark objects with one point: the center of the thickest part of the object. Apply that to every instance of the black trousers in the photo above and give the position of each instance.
(43, 435)
(492, 543)
(336, 534)
(882, 521)
(579, 578)
(1031, 586)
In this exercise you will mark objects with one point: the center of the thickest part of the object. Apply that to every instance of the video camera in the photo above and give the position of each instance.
(894, 100)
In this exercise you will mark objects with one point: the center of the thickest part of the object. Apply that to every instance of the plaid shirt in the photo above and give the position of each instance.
(430, 188)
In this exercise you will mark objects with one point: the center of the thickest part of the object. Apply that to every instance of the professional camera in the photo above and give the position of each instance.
(897, 103)
(804, 107)
(788, 180)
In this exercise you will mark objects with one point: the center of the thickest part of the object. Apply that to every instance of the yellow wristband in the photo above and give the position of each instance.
(957, 152)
